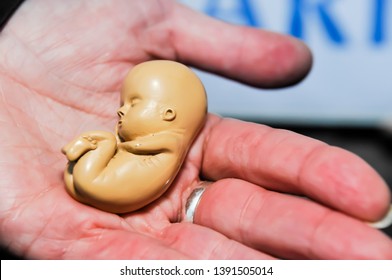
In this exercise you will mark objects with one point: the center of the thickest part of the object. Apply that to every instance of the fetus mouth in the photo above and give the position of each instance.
(120, 138)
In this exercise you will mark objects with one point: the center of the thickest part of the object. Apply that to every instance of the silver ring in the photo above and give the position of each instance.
(193, 201)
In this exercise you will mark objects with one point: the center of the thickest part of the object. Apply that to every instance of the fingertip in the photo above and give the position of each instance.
(385, 222)
(380, 206)
(372, 197)
(286, 60)
(346, 182)
(301, 65)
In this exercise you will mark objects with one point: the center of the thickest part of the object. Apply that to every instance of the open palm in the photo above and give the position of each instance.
(61, 73)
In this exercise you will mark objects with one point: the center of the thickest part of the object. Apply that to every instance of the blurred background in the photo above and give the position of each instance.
(350, 83)
(347, 98)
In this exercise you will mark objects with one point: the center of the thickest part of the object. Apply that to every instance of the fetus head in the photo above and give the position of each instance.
(161, 95)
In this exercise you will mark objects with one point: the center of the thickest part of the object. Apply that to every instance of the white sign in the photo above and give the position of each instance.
(351, 79)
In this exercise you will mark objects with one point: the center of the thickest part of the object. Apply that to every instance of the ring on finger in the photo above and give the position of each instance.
(193, 201)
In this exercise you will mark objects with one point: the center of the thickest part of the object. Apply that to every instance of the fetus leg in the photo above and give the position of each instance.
(93, 151)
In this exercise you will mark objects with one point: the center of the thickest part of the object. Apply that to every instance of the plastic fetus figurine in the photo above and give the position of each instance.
(163, 107)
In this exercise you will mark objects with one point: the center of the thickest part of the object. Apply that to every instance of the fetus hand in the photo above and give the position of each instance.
(79, 147)
(84, 143)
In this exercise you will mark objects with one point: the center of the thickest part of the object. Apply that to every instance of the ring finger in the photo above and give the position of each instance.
(287, 226)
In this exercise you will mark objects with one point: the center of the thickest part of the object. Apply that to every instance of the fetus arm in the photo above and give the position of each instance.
(152, 144)
(92, 150)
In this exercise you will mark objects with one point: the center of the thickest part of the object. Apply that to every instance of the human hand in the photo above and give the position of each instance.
(61, 76)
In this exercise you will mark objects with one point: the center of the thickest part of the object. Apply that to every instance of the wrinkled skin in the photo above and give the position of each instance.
(61, 68)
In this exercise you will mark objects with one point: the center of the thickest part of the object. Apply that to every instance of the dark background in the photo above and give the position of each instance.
(373, 145)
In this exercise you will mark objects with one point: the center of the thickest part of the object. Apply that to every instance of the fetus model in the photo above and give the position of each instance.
(163, 107)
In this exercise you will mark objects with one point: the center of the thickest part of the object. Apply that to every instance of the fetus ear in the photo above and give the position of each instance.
(169, 114)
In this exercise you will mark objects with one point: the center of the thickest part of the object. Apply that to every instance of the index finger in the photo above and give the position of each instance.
(284, 161)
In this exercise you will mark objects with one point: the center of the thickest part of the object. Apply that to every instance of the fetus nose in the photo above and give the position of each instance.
(120, 113)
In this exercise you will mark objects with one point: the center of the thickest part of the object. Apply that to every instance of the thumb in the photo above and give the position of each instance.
(252, 56)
